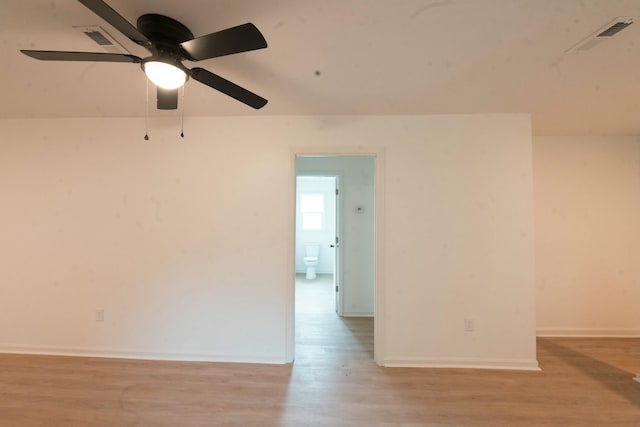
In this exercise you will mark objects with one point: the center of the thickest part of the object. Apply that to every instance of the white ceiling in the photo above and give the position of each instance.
(338, 57)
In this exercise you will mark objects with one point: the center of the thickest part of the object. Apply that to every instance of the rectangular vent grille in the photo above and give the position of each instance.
(97, 37)
(103, 39)
(615, 28)
(603, 34)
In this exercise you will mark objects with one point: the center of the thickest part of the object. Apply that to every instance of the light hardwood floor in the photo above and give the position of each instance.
(334, 382)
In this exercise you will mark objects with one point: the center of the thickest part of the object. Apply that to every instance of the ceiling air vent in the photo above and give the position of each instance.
(102, 39)
(615, 28)
(603, 34)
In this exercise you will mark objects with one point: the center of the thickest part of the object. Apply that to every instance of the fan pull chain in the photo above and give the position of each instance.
(146, 114)
(182, 124)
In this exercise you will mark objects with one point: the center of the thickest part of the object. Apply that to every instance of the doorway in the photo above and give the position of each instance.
(317, 234)
(335, 219)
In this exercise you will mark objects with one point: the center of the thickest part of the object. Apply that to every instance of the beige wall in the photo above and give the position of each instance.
(587, 222)
(188, 244)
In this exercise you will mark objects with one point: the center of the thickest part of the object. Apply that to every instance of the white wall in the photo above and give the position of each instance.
(181, 242)
(184, 243)
(325, 236)
(358, 243)
(587, 242)
(459, 242)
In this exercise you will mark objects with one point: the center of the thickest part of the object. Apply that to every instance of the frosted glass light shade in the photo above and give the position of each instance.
(165, 75)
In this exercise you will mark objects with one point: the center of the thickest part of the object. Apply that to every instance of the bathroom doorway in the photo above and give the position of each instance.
(317, 247)
(335, 257)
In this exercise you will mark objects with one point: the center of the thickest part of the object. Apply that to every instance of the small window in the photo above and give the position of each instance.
(311, 221)
(312, 208)
(312, 203)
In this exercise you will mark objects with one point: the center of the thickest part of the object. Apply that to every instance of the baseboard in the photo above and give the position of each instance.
(327, 273)
(357, 314)
(637, 378)
(594, 333)
(465, 363)
(129, 354)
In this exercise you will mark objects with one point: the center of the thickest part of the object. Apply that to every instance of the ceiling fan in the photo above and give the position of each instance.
(170, 43)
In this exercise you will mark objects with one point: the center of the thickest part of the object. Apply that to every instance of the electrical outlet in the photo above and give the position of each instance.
(99, 315)
(469, 324)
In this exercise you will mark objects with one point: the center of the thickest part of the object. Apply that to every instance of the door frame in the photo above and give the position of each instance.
(378, 154)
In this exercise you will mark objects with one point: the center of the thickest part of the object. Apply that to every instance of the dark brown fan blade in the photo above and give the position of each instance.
(167, 99)
(228, 88)
(105, 12)
(55, 55)
(226, 42)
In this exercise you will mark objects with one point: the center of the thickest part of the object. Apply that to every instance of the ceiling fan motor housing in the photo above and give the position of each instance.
(165, 35)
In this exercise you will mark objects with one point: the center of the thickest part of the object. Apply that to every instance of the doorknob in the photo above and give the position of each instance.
(332, 246)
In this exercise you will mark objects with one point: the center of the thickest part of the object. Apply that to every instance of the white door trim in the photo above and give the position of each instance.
(379, 350)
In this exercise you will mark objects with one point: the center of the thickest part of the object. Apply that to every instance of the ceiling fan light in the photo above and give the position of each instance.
(164, 75)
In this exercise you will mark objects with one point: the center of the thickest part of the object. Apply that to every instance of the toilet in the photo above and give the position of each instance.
(311, 251)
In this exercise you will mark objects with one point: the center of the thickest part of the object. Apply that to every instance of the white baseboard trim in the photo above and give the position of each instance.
(466, 363)
(132, 354)
(357, 314)
(594, 333)
(328, 273)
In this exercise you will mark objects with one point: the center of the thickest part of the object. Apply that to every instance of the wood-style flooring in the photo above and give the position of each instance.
(334, 382)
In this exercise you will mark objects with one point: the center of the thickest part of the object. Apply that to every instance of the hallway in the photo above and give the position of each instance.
(322, 337)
